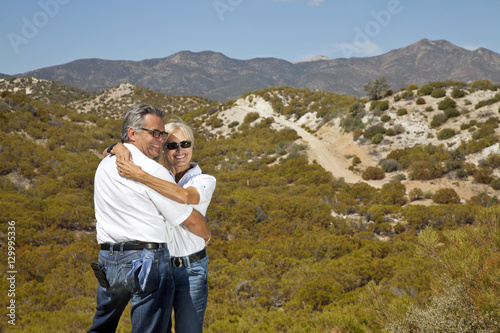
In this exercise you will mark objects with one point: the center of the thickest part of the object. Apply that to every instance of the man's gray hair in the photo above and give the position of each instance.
(134, 117)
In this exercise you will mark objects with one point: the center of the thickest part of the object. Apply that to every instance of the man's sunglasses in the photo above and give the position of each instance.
(175, 145)
(156, 133)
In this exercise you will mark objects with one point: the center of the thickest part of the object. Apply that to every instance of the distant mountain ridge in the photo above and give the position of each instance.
(216, 76)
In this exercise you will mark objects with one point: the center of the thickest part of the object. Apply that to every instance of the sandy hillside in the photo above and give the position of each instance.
(333, 149)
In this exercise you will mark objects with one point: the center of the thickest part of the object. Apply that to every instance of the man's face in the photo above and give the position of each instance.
(144, 140)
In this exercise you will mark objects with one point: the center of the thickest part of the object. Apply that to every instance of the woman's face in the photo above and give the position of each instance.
(178, 158)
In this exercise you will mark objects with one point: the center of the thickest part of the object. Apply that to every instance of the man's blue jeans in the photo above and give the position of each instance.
(190, 298)
(150, 308)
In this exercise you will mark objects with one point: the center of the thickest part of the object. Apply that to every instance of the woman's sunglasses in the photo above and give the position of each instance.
(175, 145)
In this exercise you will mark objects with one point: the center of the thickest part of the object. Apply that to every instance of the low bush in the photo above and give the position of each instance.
(385, 118)
(425, 170)
(447, 103)
(458, 93)
(451, 113)
(420, 101)
(415, 194)
(446, 133)
(483, 175)
(438, 93)
(402, 112)
(370, 132)
(377, 138)
(438, 120)
(446, 196)
(373, 173)
(425, 90)
(390, 165)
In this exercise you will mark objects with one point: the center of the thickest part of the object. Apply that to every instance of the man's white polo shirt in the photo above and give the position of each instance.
(127, 210)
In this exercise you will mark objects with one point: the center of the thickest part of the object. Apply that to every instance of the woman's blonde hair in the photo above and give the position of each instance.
(172, 125)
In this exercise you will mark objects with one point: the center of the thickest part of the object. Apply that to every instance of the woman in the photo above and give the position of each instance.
(188, 251)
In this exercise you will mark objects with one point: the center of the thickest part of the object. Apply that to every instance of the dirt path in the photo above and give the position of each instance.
(333, 150)
(328, 147)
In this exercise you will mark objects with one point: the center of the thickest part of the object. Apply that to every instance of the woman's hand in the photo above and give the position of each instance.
(128, 169)
(121, 152)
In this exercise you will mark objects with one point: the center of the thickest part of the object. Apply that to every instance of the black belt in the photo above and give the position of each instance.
(132, 247)
(181, 261)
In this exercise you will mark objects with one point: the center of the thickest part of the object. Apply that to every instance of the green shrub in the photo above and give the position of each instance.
(425, 90)
(377, 138)
(461, 174)
(458, 93)
(385, 118)
(415, 194)
(483, 175)
(393, 193)
(447, 103)
(356, 160)
(451, 113)
(420, 101)
(493, 160)
(429, 109)
(407, 94)
(446, 133)
(402, 112)
(424, 170)
(488, 102)
(373, 173)
(482, 85)
(438, 93)
(251, 117)
(389, 165)
(356, 134)
(446, 196)
(370, 132)
(438, 120)
(379, 105)
(495, 184)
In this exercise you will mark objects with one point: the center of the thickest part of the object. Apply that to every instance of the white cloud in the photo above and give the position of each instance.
(356, 49)
(470, 47)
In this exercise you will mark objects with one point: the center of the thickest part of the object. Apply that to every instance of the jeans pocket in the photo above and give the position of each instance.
(133, 282)
(198, 269)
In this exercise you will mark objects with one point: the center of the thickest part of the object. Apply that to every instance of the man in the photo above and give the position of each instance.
(131, 217)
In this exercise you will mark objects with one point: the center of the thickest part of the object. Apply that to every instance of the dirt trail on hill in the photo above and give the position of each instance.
(328, 147)
(333, 150)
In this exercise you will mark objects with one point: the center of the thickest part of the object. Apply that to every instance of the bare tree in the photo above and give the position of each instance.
(377, 88)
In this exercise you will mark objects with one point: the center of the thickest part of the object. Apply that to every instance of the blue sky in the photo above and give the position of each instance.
(41, 33)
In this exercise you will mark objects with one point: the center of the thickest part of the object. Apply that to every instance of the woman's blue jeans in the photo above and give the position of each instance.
(190, 298)
(151, 307)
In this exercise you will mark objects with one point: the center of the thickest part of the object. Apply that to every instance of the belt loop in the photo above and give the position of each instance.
(186, 260)
(121, 248)
(111, 247)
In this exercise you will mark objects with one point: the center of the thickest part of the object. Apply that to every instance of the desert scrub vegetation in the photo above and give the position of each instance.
(278, 252)
(446, 133)
(466, 291)
(446, 196)
(373, 173)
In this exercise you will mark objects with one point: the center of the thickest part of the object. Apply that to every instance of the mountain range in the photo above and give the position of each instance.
(215, 76)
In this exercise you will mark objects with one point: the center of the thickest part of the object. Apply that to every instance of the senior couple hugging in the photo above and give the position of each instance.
(151, 227)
